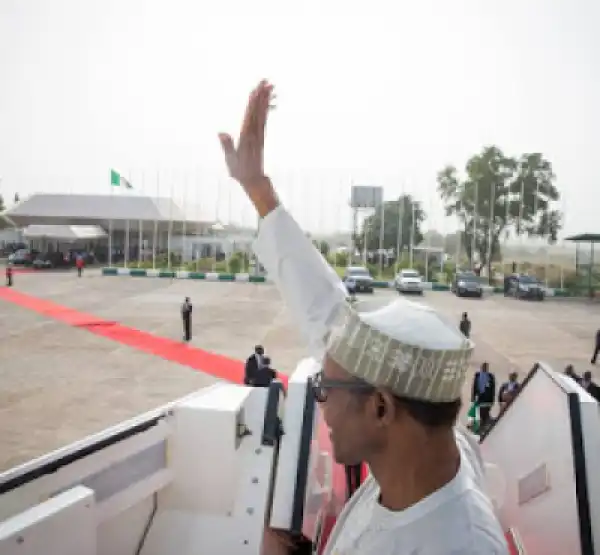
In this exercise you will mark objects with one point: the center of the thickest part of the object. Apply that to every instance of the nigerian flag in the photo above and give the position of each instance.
(117, 180)
(473, 418)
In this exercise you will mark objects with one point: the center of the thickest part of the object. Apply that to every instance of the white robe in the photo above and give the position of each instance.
(457, 519)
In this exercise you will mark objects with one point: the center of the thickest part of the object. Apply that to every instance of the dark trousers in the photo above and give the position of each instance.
(352, 478)
(595, 355)
(9, 280)
(187, 328)
(79, 270)
(484, 416)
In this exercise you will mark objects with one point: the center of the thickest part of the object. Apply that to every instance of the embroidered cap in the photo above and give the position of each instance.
(403, 346)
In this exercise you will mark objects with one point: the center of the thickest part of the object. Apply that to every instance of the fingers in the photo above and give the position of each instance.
(227, 144)
(229, 151)
(265, 93)
(250, 114)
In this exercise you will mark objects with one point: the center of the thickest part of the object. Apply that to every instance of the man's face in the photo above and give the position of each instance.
(260, 351)
(350, 417)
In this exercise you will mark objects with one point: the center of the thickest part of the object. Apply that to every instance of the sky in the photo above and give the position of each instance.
(381, 93)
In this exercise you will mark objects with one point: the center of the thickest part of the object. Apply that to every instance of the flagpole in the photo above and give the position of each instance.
(126, 254)
(399, 231)
(475, 217)
(491, 227)
(216, 244)
(155, 232)
(184, 228)
(428, 240)
(459, 237)
(564, 219)
(520, 223)
(140, 229)
(170, 228)
(198, 216)
(412, 233)
(381, 238)
(110, 224)
(230, 251)
(506, 225)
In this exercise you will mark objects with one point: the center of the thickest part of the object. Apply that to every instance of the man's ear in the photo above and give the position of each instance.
(385, 407)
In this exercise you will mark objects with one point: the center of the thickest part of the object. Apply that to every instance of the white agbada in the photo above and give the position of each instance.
(458, 518)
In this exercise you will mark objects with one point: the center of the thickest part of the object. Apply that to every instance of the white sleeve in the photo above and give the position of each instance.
(309, 286)
(470, 454)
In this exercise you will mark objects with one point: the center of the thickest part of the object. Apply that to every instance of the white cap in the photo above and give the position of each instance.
(403, 346)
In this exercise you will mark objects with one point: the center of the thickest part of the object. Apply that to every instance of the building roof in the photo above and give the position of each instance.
(67, 209)
(584, 238)
(5, 222)
(64, 232)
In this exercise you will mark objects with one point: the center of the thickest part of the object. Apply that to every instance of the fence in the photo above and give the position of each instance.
(320, 203)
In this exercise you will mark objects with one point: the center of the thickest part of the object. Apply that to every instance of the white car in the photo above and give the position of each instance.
(409, 281)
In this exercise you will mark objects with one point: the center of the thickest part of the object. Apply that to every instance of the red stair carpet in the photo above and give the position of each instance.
(216, 365)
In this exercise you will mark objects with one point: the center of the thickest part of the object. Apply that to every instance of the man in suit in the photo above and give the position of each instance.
(253, 364)
(484, 392)
(265, 374)
(465, 325)
(570, 371)
(186, 316)
(596, 348)
(508, 390)
(590, 386)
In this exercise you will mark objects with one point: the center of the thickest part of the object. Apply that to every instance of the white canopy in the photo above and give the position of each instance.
(64, 232)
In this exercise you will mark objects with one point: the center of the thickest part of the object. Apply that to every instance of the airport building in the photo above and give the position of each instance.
(137, 225)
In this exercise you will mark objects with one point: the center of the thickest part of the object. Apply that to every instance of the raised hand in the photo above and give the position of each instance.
(245, 163)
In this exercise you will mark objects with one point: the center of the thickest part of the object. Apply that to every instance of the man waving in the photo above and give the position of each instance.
(389, 389)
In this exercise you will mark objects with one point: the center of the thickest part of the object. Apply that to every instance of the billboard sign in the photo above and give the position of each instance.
(363, 196)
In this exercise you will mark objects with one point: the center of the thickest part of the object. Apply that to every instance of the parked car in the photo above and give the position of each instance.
(524, 287)
(357, 279)
(467, 284)
(23, 257)
(409, 281)
(42, 263)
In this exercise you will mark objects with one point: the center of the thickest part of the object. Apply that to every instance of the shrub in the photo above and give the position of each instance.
(340, 259)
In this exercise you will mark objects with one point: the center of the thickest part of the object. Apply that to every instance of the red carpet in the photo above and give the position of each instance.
(216, 365)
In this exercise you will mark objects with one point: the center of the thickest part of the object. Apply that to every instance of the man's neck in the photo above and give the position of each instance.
(407, 477)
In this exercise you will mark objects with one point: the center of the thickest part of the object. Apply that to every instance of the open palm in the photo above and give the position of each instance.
(245, 163)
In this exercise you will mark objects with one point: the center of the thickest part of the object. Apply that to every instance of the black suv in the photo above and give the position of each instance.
(467, 284)
(523, 287)
(357, 279)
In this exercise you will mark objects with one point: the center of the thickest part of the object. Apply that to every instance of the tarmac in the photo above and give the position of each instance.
(60, 383)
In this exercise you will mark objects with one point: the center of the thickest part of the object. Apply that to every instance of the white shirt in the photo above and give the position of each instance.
(458, 518)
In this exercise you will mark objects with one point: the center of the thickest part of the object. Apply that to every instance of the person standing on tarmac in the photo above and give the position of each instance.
(79, 263)
(9, 276)
(465, 325)
(186, 316)
(253, 364)
(596, 348)
(484, 393)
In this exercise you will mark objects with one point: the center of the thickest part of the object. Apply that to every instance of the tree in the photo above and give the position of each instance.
(535, 215)
(394, 211)
(500, 194)
(2, 207)
(323, 247)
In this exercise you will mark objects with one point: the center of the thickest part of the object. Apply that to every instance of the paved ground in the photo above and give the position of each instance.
(58, 383)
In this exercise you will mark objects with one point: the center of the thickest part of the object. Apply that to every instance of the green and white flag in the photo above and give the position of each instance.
(473, 422)
(117, 180)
